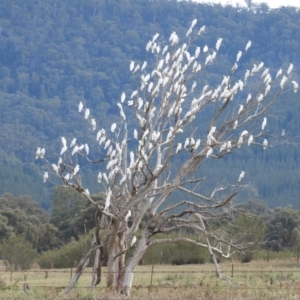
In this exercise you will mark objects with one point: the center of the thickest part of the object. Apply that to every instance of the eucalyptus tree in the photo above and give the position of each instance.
(167, 117)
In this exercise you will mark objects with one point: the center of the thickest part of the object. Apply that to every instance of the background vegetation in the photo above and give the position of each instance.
(54, 54)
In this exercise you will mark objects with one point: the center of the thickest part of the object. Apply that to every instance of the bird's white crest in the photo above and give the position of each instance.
(165, 50)
(133, 94)
(80, 106)
(228, 146)
(223, 147)
(290, 69)
(212, 130)
(42, 154)
(238, 56)
(93, 123)
(235, 66)
(99, 177)
(63, 150)
(265, 72)
(240, 141)
(73, 143)
(260, 98)
(268, 87)
(133, 241)
(131, 66)
(208, 58)
(38, 153)
(279, 73)
(107, 200)
(46, 176)
(105, 177)
(264, 123)
(87, 149)
(197, 144)
(209, 152)
(189, 32)
(241, 176)
(55, 168)
(201, 30)
(240, 109)
(249, 98)
(106, 144)
(186, 143)
(113, 127)
(75, 150)
(194, 23)
(248, 45)
(197, 52)
(218, 44)
(179, 147)
(295, 84)
(144, 65)
(250, 140)
(155, 37)
(64, 141)
(76, 170)
(128, 215)
(123, 96)
(283, 81)
(245, 132)
(235, 124)
(247, 74)
(86, 113)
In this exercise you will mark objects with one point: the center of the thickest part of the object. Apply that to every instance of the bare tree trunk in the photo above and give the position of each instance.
(131, 265)
(112, 263)
(121, 258)
(79, 270)
(96, 278)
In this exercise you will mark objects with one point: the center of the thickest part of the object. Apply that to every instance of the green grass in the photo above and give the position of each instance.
(278, 279)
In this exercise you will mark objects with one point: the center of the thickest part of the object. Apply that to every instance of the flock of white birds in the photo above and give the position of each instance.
(160, 107)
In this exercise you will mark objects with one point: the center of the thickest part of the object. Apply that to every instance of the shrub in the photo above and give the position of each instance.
(17, 253)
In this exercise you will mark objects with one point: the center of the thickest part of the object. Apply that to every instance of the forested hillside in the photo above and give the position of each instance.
(54, 54)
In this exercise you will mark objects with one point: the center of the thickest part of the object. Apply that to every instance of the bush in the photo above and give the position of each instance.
(176, 254)
(67, 256)
(17, 253)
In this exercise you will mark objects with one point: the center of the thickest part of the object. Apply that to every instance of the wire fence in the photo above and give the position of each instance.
(150, 277)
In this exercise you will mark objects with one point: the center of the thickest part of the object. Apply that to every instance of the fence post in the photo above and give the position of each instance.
(297, 254)
(231, 271)
(71, 275)
(151, 275)
(46, 274)
(25, 277)
(11, 275)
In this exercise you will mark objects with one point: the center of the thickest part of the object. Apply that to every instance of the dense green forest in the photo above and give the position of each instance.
(59, 239)
(54, 54)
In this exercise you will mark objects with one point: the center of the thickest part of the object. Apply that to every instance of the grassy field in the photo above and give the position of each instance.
(278, 279)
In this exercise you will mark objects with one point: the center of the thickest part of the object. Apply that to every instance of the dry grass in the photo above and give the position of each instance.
(256, 280)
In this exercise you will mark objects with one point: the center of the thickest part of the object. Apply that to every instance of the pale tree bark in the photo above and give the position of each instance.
(168, 108)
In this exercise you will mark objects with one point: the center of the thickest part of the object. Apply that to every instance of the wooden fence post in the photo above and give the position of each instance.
(231, 271)
(151, 275)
